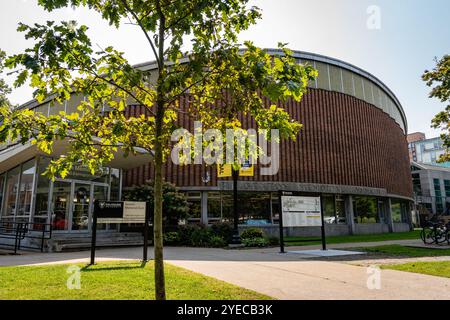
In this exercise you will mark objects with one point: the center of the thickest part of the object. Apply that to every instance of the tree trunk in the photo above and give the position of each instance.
(160, 290)
(160, 286)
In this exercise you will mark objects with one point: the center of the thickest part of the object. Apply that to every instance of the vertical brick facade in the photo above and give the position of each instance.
(345, 141)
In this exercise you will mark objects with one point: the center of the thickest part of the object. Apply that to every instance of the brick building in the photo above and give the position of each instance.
(352, 151)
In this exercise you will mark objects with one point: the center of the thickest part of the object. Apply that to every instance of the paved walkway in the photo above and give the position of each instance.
(280, 276)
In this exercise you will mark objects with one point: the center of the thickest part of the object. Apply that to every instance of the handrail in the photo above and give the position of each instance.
(19, 231)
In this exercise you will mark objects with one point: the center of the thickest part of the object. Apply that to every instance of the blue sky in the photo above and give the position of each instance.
(411, 34)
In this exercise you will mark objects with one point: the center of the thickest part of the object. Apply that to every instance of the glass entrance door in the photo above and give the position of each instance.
(61, 201)
(73, 204)
(81, 206)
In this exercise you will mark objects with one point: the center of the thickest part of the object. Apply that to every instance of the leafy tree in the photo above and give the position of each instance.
(175, 205)
(220, 80)
(439, 80)
(4, 88)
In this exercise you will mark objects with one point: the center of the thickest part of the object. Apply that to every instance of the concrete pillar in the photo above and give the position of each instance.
(204, 208)
(349, 213)
(388, 212)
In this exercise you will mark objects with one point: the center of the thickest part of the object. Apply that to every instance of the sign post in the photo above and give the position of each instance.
(120, 212)
(94, 235)
(226, 171)
(301, 211)
(281, 226)
(147, 220)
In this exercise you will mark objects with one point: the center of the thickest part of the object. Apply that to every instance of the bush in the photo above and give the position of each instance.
(201, 237)
(252, 233)
(216, 242)
(185, 232)
(255, 242)
(171, 238)
(223, 230)
(273, 241)
(175, 205)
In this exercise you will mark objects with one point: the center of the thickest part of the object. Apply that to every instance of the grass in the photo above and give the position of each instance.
(403, 251)
(301, 241)
(438, 268)
(128, 280)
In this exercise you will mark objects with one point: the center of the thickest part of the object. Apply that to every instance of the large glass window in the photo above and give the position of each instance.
(399, 211)
(254, 208)
(42, 192)
(12, 182)
(329, 210)
(365, 210)
(115, 185)
(438, 196)
(416, 184)
(2, 189)
(26, 189)
(214, 206)
(195, 206)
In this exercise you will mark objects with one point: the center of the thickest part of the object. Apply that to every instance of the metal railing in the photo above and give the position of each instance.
(17, 232)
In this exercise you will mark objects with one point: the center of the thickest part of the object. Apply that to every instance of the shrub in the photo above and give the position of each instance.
(216, 242)
(175, 205)
(185, 232)
(171, 238)
(197, 235)
(255, 242)
(252, 233)
(223, 230)
(273, 241)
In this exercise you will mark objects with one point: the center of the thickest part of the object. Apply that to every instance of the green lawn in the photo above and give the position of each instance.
(114, 280)
(299, 241)
(403, 251)
(438, 268)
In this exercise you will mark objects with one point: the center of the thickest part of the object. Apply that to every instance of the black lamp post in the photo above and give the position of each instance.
(236, 240)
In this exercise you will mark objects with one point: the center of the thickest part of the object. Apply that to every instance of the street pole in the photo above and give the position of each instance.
(94, 233)
(236, 240)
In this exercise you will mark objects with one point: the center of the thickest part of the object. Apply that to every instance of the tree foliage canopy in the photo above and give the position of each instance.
(64, 62)
(439, 80)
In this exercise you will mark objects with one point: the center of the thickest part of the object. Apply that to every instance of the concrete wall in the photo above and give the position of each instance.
(331, 230)
(402, 227)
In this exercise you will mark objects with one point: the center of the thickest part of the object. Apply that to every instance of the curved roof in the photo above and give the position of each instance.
(398, 115)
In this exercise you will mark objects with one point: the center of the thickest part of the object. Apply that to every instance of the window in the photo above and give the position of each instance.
(2, 185)
(366, 210)
(42, 192)
(195, 205)
(254, 208)
(12, 181)
(417, 187)
(26, 189)
(329, 210)
(399, 211)
(447, 188)
(438, 196)
(115, 185)
(214, 206)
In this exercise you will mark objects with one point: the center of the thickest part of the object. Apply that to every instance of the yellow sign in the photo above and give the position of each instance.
(225, 171)
(247, 170)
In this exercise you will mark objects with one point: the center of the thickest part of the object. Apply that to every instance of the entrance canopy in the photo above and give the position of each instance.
(18, 153)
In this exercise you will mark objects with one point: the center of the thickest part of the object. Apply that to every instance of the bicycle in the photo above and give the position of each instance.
(435, 233)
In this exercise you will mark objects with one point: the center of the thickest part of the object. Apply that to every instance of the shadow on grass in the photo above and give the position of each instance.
(125, 266)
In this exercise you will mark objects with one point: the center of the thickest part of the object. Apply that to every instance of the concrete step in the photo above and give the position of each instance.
(68, 242)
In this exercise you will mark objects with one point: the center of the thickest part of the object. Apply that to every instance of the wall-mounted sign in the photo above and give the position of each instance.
(301, 211)
(225, 170)
(120, 211)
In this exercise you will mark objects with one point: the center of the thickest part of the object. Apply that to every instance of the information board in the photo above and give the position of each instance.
(301, 211)
(120, 211)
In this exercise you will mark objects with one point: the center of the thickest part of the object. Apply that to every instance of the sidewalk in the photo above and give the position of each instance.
(280, 276)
